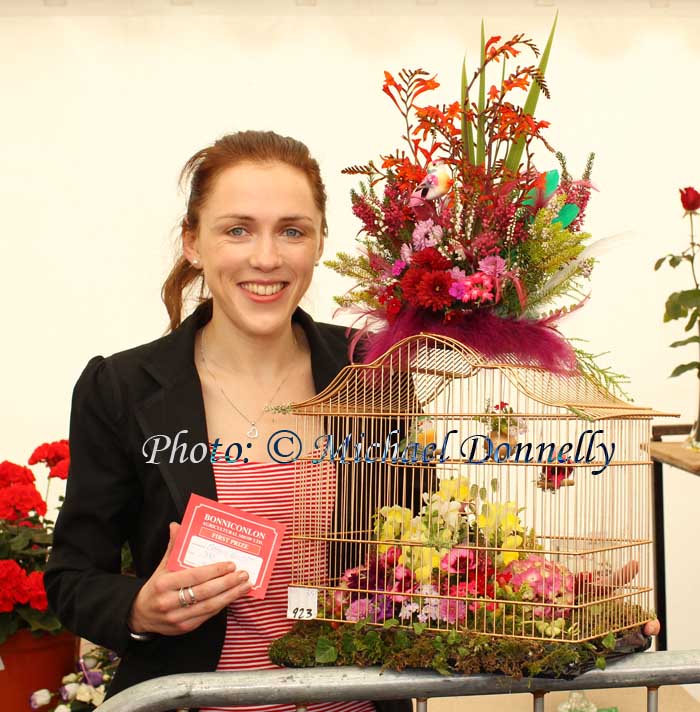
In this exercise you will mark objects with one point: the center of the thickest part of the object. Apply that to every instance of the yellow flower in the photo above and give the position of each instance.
(417, 531)
(513, 541)
(396, 516)
(499, 516)
(423, 560)
(456, 488)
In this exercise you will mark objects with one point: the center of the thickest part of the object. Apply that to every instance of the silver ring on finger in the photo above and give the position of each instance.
(183, 600)
(190, 593)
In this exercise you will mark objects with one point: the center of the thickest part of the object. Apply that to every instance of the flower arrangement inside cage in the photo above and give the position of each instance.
(535, 547)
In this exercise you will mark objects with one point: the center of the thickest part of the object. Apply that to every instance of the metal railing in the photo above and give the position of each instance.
(332, 684)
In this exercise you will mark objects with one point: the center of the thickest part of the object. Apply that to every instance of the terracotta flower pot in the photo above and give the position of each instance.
(497, 439)
(30, 663)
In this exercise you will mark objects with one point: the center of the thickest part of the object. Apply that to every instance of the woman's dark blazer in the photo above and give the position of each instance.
(114, 495)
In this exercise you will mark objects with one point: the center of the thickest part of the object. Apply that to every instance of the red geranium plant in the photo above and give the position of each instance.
(25, 539)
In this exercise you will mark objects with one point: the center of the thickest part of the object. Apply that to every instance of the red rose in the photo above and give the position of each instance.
(36, 592)
(17, 501)
(13, 585)
(690, 199)
(11, 474)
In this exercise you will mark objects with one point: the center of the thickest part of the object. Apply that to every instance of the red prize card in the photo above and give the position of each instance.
(213, 532)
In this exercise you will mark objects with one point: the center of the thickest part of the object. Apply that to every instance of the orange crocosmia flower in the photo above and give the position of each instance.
(516, 83)
(390, 81)
(493, 93)
(426, 85)
(407, 174)
(491, 41)
(454, 110)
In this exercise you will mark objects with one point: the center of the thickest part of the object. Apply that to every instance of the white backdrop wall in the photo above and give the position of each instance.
(103, 102)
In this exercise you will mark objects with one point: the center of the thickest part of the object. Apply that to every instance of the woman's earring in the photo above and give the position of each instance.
(317, 262)
(195, 262)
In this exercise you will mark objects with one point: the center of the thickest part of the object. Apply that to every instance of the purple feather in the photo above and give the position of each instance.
(532, 342)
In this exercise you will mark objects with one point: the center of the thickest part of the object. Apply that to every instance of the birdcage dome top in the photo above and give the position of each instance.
(416, 369)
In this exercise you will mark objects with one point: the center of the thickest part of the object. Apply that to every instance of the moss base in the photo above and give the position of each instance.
(315, 643)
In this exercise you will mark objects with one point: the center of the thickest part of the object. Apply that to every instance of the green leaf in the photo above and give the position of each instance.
(348, 644)
(689, 340)
(494, 484)
(467, 135)
(19, 542)
(483, 493)
(675, 260)
(481, 119)
(600, 662)
(401, 640)
(609, 641)
(325, 651)
(678, 370)
(39, 620)
(390, 623)
(418, 628)
(694, 315)
(516, 150)
(679, 303)
(659, 262)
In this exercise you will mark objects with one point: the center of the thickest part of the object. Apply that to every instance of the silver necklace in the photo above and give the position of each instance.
(253, 431)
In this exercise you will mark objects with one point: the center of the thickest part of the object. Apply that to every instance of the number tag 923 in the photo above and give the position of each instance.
(302, 603)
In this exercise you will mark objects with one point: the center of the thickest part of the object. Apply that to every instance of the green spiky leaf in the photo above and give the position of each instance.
(516, 150)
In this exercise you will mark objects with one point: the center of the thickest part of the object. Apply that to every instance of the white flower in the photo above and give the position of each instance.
(98, 695)
(89, 662)
(69, 691)
(40, 698)
(62, 708)
(84, 693)
(73, 677)
(408, 609)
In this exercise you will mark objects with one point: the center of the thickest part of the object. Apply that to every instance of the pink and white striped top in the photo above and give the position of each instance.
(267, 489)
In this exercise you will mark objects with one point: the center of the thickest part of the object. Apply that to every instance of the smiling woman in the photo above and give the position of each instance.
(253, 231)
(260, 255)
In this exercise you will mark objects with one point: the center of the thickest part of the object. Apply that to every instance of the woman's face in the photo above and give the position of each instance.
(258, 240)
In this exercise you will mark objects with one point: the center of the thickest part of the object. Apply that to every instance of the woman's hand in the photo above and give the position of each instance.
(158, 609)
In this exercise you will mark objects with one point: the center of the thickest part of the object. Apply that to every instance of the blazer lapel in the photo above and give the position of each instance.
(176, 409)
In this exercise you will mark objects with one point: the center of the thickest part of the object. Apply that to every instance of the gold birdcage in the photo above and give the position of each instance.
(450, 491)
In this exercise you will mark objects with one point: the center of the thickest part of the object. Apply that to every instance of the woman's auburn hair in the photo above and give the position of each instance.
(202, 170)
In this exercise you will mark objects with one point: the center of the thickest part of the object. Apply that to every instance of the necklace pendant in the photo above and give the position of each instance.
(253, 432)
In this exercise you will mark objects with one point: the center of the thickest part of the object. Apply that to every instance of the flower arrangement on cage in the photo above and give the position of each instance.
(469, 239)
(458, 555)
(83, 689)
(464, 564)
(25, 539)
